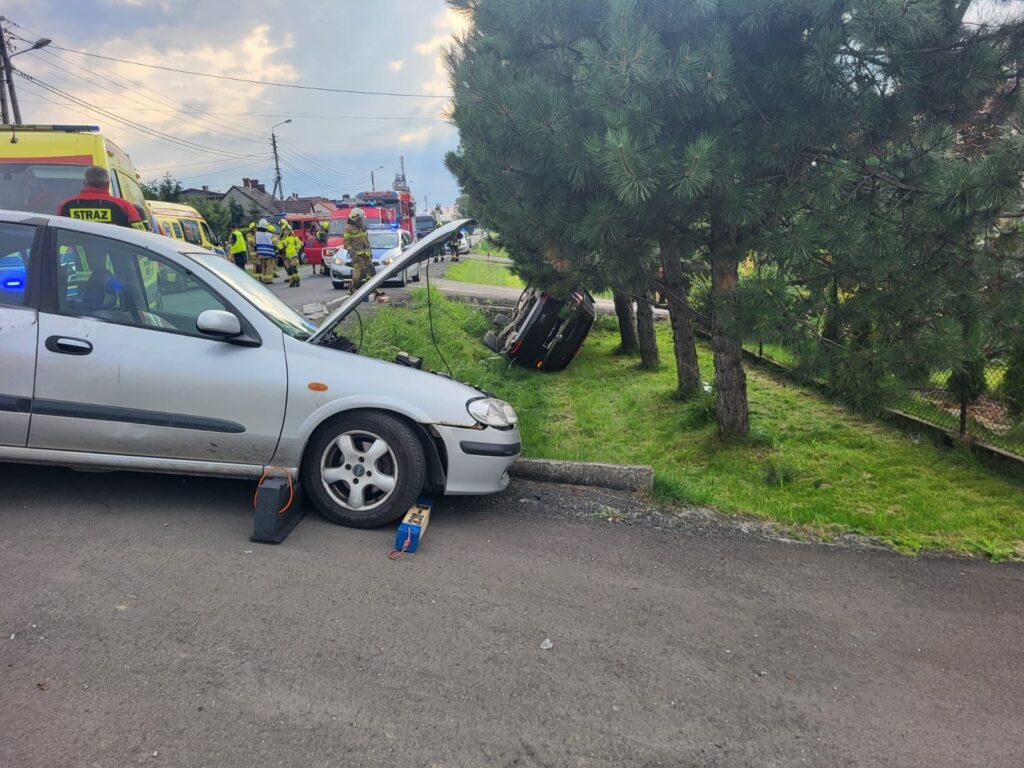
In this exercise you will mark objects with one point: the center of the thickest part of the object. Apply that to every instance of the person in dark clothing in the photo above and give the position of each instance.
(95, 203)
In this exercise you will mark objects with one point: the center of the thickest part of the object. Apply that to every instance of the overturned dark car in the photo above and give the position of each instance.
(544, 332)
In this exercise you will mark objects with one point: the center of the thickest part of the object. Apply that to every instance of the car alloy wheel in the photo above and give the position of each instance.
(359, 471)
(364, 468)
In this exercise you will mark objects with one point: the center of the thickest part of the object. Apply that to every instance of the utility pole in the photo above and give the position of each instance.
(7, 85)
(278, 190)
(8, 74)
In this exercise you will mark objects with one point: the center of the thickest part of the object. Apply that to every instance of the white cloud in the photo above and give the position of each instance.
(396, 65)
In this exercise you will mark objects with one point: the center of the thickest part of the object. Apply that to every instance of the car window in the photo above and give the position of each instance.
(15, 249)
(130, 189)
(210, 237)
(190, 228)
(121, 283)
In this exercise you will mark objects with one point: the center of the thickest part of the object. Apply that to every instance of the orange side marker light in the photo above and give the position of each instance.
(317, 386)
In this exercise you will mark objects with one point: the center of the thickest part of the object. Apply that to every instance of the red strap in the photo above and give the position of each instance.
(394, 554)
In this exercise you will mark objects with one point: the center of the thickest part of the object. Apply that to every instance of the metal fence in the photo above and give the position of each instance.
(986, 414)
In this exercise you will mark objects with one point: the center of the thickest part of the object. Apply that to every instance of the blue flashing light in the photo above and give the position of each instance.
(14, 282)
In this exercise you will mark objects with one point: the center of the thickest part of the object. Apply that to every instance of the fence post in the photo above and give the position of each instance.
(963, 415)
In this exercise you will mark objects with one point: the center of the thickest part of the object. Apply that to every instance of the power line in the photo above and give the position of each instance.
(151, 132)
(221, 170)
(271, 83)
(130, 96)
(304, 115)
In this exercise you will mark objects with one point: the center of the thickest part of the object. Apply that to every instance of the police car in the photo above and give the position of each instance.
(386, 245)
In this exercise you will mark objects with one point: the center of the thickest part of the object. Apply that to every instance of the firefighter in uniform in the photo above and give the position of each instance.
(238, 248)
(357, 242)
(266, 250)
(292, 245)
(250, 246)
(95, 203)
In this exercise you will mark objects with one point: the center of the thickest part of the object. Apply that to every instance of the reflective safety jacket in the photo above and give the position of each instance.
(357, 241)
(237, 242)
(99, 205)
(292, 244)
(266, 248)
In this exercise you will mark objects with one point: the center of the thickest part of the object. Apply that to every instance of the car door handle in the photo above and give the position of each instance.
(65, 345)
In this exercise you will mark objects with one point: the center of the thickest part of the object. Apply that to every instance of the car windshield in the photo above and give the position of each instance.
(38, 187)
(425, 221)
(280, 314)
(383, 239)
(336, 227)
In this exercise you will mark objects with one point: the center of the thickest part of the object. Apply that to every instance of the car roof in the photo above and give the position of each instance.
(135, 236)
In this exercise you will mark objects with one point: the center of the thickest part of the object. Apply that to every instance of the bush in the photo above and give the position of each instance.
(1013, 383)
(967, 383)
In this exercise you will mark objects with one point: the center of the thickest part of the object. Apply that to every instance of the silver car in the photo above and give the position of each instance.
(123, 350)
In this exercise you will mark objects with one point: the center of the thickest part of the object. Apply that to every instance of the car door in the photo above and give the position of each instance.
(18, 332)
(122, 368)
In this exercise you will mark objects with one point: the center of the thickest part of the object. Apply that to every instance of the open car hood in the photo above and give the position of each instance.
(420, 251)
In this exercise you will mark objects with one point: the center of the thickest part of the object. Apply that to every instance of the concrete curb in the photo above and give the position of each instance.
(618, 477)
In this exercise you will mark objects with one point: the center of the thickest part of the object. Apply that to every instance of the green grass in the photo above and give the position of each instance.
(483, 273)
(808, 462)
(488, 248)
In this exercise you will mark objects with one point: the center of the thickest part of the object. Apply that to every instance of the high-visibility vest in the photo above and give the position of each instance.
(237, 242)
(291, 246)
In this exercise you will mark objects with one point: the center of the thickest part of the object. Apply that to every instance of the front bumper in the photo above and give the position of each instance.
(478, 459)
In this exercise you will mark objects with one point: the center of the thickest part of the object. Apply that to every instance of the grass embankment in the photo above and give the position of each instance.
(808, 462)
(488, 248)
(483, 273)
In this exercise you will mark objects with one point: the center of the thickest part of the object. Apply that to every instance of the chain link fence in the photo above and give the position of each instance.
(986, 407)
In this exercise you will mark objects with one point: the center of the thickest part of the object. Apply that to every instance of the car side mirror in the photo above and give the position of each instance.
(217, 322)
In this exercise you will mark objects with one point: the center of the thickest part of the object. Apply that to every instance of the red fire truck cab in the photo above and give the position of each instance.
(400, 203)
(308, 228)
(376, 218)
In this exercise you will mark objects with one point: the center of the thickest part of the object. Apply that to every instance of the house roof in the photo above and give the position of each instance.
(205, 194)
(259, 198)
(304, 205)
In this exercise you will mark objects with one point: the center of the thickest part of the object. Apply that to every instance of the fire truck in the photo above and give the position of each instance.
(399, 204)
(376, 218)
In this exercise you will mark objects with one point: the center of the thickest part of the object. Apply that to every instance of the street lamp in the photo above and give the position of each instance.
(278, 190)
(42, 42)
(373, 183)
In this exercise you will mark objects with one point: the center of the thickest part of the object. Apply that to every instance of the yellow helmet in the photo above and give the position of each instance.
(270, 228)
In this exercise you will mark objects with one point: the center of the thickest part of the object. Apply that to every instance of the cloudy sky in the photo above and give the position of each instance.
(213, 132)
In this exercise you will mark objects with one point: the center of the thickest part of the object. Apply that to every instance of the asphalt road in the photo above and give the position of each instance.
(141, 627)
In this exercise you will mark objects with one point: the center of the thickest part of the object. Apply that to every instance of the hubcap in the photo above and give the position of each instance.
(358, 470)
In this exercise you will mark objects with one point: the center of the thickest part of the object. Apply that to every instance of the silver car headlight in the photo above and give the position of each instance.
(492, 412)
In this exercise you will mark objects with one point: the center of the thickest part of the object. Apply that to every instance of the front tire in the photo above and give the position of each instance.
(364, 469)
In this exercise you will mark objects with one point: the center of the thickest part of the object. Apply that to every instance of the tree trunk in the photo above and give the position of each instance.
(628, 341)
(645, 330)
(677, 291)
(731, 410)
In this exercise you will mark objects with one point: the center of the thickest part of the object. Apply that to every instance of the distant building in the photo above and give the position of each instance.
(203, 193)
(308, 206)
(253, 196)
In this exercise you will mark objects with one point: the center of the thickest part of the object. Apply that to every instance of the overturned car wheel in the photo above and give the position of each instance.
(491, 341)
(364, 469)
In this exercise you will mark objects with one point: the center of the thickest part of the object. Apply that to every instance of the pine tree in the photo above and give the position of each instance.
(857, 148)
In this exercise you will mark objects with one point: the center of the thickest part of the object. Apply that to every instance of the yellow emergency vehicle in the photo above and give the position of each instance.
(183, 222)
(41, 165)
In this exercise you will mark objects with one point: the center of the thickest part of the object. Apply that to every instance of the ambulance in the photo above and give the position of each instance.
(183, 222)
(41, 165)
